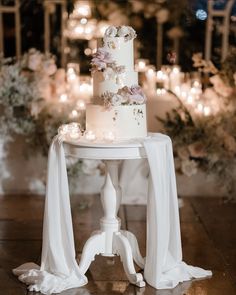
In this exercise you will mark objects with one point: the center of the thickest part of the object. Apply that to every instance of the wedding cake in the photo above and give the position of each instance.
(118, 107)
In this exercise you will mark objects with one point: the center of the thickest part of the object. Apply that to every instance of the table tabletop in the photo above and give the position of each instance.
(130, 149)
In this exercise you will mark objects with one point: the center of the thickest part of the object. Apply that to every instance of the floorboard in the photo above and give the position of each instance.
(208, 229)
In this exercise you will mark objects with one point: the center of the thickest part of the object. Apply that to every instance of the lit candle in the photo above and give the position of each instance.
(141, 65)
(163, 79)
(175, 78)
(206, 111)
(183, 94)
(200, 107)
(74, 114)
(160, 91)
(90, 135)
(85, 88)
(151, 79)
(190, 99)
(83, 21)
(63, 129)
(74, 134)
(82, 9)
(63, 98)
(74, 130)
(177, 90)
(108, 136)
(80, 105)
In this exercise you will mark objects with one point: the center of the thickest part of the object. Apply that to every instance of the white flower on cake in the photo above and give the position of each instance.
(122, 31)
(103, 61)
(111, 31)
(125, 96)
(116, 100)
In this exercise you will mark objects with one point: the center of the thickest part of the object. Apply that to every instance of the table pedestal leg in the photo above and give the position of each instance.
(110, 241)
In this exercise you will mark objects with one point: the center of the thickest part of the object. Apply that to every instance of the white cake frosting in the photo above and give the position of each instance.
(125, 122)
(102, 85)
(119, 103)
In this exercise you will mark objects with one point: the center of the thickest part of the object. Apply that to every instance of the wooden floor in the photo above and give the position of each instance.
(208, 233)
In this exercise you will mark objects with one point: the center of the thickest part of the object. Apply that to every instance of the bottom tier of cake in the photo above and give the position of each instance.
(124, 122)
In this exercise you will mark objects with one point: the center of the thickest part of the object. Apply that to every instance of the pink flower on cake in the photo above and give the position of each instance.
(132, 95)
(100, 59)
(137, 95)
(136, 89)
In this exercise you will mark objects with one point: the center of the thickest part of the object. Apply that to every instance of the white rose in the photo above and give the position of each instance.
(34, 61)
(123, 31)
(49, 67)
(116, 100)
(131, 34)
(111, 31)
(189, 167)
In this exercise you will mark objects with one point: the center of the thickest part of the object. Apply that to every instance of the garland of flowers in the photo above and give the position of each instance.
(208, 143)
(31, 106)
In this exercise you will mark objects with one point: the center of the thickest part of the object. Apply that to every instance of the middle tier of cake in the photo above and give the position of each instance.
(124, 121)
(102, 85)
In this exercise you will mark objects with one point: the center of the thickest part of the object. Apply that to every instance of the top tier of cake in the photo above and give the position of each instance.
(121, 50)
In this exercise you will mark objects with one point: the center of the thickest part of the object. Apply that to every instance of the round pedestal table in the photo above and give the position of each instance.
(110, 240)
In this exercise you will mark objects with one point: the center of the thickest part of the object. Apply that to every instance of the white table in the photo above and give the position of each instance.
(110, 240)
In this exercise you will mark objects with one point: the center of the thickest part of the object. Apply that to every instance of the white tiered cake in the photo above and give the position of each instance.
(119, 104)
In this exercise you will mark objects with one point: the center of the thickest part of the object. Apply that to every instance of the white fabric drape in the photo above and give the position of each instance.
(164, 267)
(59, 270)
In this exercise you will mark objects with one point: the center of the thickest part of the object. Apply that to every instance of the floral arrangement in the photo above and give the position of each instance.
(133, 95)
(128, 33)
(208, 142)
(31, 90)
(102, 61)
